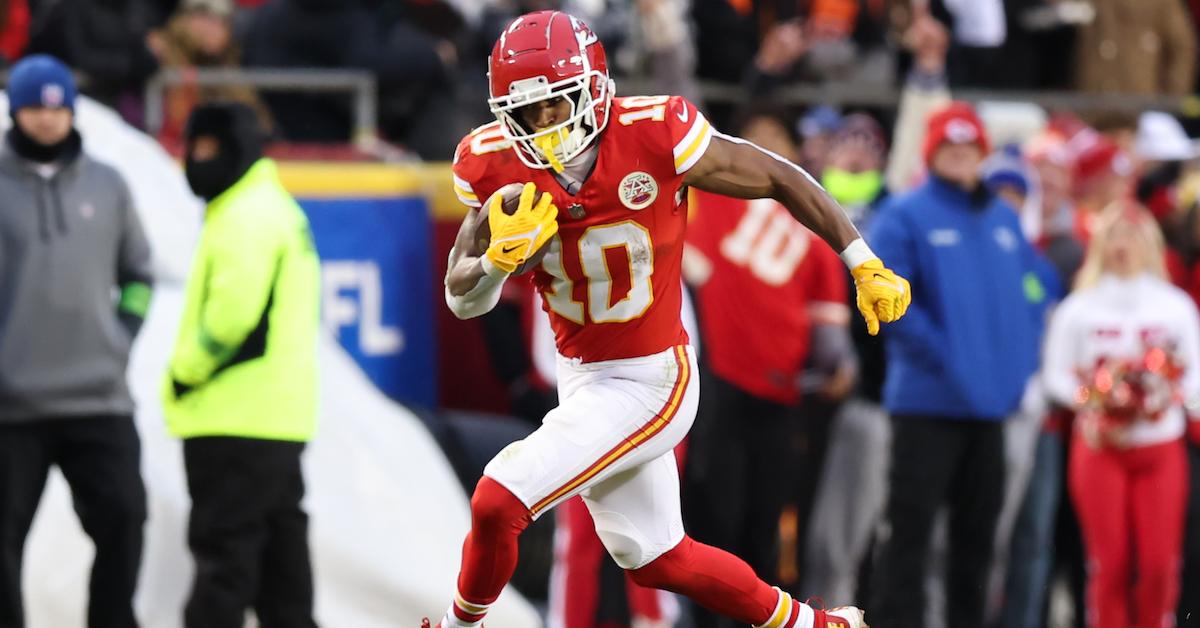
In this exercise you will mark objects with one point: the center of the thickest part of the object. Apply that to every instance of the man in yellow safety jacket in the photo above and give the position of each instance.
(241, 387)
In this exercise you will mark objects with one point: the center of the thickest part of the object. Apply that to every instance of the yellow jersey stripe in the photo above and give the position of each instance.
(701, 139)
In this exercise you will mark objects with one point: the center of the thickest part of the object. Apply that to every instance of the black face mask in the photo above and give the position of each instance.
(28, 148)
(211, 177)
(235, 128)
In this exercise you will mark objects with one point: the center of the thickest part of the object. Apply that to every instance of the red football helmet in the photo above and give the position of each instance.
(544, 55)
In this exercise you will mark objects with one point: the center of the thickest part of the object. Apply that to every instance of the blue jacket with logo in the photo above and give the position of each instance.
(969, 340)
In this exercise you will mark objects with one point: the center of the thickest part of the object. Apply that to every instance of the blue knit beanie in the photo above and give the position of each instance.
(1007, 166)
(40, 81)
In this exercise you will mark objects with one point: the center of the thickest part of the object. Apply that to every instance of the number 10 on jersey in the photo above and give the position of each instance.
(631, 241)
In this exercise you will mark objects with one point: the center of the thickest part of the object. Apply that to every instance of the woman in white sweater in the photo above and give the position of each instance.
(1127, 474)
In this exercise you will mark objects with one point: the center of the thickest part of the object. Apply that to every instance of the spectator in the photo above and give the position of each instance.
(770, 296)
(1007, 175)
(71, 238)
(14, 29)
(817, 127)
(1128, 467)
(766, 43)
(1032, 550)
(925, 90)
(979, 30)
(1137, 46)
(1021, 533)
(667, 49)
(853, 167)
(106, 43)
(849, 498)
(200, 35)
(1103, 175)
(955, 370)
(241, 384)
(1051, 160)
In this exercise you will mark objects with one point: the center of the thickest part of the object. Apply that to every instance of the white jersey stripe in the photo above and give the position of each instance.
(462, 183)
(697, 127)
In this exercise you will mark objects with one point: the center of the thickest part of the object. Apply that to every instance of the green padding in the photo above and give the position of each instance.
(135, 298)
(1035, 292)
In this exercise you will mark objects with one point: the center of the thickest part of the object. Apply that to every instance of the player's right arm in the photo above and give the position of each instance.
(476, 270)
(471, 290)
(466, 257)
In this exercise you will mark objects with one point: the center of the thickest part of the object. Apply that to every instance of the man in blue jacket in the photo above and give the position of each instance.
(957, 366)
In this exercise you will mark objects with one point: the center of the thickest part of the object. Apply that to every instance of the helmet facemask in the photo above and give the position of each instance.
(555, 145)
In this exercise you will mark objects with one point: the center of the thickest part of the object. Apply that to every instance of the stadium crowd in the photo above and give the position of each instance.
(1023, 438)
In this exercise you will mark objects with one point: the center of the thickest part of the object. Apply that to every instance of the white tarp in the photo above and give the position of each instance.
(387, 513)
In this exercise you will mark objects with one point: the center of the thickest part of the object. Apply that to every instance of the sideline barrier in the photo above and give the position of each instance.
(374, 234)
(383, 232)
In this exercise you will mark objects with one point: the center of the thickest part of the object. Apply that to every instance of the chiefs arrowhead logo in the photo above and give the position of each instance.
(637, 190)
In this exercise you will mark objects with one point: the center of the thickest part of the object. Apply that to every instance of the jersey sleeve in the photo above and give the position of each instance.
(463, 171)
(689, 132)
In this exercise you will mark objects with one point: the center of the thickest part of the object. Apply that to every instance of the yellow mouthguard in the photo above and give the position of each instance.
(547, 143)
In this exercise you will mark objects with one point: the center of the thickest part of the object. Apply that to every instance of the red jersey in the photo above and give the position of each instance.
(611, 279)
(763, 280)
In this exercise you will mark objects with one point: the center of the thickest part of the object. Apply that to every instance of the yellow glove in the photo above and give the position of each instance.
(883, 296)
(517, 237)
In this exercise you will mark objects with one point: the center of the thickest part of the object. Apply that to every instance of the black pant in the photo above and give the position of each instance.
(247, 533)
(100, 459)
(1189, 598)
(934, 461)
(742, 465)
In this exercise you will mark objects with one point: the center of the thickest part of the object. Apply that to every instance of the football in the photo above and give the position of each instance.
(511, 194)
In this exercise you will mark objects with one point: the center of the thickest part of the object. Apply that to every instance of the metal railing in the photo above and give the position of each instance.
(360, 84)
(362, 87)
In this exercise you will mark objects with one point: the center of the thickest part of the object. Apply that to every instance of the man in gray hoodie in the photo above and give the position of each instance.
(74, 287)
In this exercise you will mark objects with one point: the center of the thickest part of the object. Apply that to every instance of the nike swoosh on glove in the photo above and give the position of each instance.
(517, 237)
(883, 296)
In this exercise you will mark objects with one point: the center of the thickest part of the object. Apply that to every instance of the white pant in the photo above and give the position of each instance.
(611, 439)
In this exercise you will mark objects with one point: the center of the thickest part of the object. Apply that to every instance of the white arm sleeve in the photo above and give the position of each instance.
(1059, 376)
(479, 300)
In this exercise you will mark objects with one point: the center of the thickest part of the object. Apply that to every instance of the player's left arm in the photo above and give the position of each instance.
(735, 167)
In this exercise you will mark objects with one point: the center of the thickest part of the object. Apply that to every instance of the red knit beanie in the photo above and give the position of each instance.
(957, 123)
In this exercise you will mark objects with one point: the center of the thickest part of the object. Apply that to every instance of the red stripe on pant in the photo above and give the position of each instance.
(1131, 505)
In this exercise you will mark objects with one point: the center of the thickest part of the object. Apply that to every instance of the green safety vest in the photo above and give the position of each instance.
(248, 339)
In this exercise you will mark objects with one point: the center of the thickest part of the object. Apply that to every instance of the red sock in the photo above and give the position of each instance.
(715, 579)
(490, 551)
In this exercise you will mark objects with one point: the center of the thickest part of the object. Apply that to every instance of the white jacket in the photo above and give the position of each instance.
(1110, 320)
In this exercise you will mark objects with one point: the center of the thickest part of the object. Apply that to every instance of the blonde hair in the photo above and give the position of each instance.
(1123, 215)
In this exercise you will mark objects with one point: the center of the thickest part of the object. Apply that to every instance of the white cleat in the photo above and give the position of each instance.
(840, 617)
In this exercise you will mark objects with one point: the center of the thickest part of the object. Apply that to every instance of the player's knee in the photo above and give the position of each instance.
(494, 507)
(666, 570)
(629, 548)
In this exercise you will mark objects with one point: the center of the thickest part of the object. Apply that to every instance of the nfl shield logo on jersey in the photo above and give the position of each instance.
(638, 190)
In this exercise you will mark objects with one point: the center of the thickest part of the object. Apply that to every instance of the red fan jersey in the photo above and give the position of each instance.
(763, 280)
(611, 280)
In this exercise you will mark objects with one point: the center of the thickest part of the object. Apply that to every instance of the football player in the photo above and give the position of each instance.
(601, 222)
